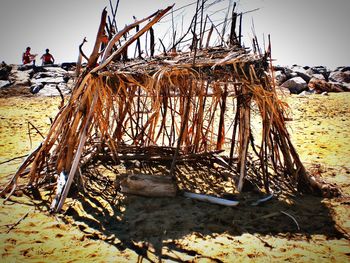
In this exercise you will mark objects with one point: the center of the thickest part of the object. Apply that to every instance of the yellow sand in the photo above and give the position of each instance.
(320, 131)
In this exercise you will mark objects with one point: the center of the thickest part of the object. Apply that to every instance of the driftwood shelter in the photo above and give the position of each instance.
(175, 106)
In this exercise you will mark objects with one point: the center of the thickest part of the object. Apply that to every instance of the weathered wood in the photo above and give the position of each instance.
(77, 156)
(108, 57)
(182, 131)
(80, 57)
(138, 43)
(209, 35)
(148, 185)
(151, 32)
(233, 36)
(221, 131)
(95, 52)
(244, 138)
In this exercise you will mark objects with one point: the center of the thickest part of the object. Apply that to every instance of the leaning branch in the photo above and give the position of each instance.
(117, 37)
(105, 62)
(95, 53)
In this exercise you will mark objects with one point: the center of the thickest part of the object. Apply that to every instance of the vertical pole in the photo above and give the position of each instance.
(151, 32)
(244, 133)
(183, 127)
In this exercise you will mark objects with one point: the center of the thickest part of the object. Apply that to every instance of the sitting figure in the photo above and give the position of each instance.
(27, 57)
(47, 58)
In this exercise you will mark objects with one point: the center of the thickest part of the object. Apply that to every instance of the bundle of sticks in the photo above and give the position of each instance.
(190, 103)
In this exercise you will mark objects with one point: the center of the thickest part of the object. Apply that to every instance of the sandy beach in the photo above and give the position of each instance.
(133, 228)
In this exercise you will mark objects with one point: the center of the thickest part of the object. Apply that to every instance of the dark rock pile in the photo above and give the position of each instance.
(298, 79)
(5, 71)
(48, 80)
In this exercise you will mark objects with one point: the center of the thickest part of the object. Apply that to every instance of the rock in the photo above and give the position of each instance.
(342, 75)
(346, 86)
(41, 75)
(304, 76)
(319, 70)
(50, 89)
(282, 91)
(280, 77)
(41, 80)
(306, 93)
(50, 73)
(5, 71)
(342, 68)
(319, 86)
(25, 67)
(318, 76)
(301, 72)
(290, 74)
(279, 68)
(20, 78)
(66, 78)
(65, 89)
(68, 66)
(295, 85)
(34, 89)
(36, 70)
(339, 87)
(52, 80)
(56, 70)
(4, 83)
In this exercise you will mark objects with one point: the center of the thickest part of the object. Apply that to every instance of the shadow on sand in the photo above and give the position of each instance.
(150, 226)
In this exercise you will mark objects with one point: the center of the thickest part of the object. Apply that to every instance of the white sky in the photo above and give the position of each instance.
(305, 32)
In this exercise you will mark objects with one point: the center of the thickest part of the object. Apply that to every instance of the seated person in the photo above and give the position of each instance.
(27, 57)
(47, 58)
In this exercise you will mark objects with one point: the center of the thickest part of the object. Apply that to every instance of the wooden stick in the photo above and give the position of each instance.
(138, 43)
(195, 39)
(81, 54)
(183, 126)
(62, 97)
(224, 25)
(201, 26)
(164, 49)
(95, 52)
(221, 131)
(240, 30)
(106, 61)
(29, 135)
(14, 158)
(24, 164)
(114, 13)
(233, 36)
(209, 35)
(17, 223)
(35, 128)
(151, 32)
(202, 33)
(244, 133)
(77, 155)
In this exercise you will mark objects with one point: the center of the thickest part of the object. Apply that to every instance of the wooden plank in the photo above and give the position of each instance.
(149, 185)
